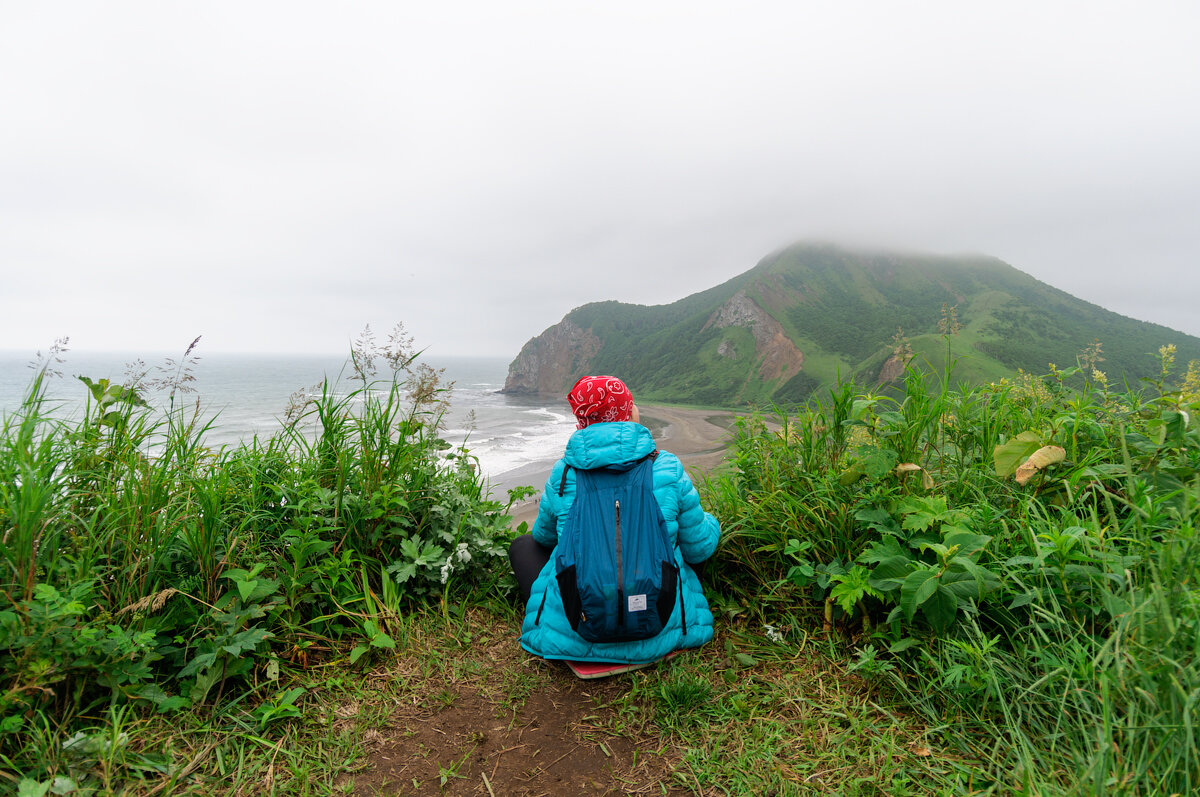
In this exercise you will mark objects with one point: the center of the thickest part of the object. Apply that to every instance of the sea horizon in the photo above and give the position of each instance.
(246, 395)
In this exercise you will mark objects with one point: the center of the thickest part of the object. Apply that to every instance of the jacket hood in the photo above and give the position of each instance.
(604, 444)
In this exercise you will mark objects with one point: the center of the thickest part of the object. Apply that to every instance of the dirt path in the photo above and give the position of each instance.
(489, 719)
(492, 720)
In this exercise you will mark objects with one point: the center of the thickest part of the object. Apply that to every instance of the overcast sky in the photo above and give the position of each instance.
(274, 176)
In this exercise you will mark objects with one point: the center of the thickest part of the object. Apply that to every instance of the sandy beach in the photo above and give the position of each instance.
(698, 437)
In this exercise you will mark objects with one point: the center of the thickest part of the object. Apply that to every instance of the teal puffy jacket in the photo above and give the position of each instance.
(694, 531)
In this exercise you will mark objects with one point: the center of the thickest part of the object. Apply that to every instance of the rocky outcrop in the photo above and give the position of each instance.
(778, 357)
(893, 369)
(551, 362)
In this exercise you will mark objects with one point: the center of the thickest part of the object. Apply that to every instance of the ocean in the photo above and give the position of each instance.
(514, 438)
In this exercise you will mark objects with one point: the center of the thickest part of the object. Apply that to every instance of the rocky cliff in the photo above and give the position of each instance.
(776, 356)
(551, 362)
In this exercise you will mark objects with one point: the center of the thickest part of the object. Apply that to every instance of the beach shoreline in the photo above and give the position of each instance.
(700, 438)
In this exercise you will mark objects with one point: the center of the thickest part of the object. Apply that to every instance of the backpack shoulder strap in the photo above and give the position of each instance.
(562, 483)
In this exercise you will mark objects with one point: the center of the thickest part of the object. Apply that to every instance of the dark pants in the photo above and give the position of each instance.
(527, 557)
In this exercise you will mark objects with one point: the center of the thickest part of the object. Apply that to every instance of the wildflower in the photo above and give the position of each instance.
(463, 554)
(447, 568)
(1099, 378)
(1092, 355)
(1191, 383)
(773, 634)
(1166, 355)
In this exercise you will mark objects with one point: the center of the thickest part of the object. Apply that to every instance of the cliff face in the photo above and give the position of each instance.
(551, 362)
(777, 356)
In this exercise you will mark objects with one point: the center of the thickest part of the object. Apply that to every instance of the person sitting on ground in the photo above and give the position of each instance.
(609, 434)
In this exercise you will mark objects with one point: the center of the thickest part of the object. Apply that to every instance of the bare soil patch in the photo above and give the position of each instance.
(488, 719)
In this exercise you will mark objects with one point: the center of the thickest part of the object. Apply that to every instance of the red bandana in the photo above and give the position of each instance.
(600, 399)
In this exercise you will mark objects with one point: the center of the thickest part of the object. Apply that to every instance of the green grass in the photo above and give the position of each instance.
(896, 612)
(144, 572)
(1051, 626)
(745, 715)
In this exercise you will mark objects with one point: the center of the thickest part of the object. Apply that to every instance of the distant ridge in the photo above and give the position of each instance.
(811, 312)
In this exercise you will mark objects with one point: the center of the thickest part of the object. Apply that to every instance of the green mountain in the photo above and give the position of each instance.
(810, 313)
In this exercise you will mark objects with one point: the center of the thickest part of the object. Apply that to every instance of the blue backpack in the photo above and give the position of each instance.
(615, 562)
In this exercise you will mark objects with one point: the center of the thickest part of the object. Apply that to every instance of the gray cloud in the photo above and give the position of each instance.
(276, 175)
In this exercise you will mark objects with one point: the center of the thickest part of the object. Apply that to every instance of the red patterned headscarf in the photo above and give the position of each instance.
(600, 399)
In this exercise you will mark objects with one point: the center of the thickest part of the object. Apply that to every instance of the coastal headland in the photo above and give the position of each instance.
(700, 438)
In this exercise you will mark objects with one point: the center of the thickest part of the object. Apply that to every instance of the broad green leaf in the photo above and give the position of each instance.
(922, 513)
(936, 547)
(402, 571)
(174, 703)
(97, 390)
(917, 588)
(968, 543)
(969, 580)
(246, 589)
(963, 586)
(860, 408)
(1024, 599)
(382, 640)
(1175, 424)
(64, 785)
(851, 588)
(903, 645)
(851, 474)
(878, 462)
(27, 787)
(205, 681)
(246, 640)
(358, 652)
(1140, 443)
(262, 588)
(890, 574)
(883, 549)
(940, 609)
(877, 519)
(888, 421)
(1008, 456)
(800, 574)
(195, 665)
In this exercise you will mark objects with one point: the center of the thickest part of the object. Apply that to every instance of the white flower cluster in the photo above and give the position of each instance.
(461, 553)
(773, 634)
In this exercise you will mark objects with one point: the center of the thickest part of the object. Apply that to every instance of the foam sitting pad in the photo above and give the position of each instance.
(602, 669)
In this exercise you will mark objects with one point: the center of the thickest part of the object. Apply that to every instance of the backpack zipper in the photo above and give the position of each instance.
(620, 573)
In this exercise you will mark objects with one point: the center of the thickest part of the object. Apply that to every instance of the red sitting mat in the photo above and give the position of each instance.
(602, 669)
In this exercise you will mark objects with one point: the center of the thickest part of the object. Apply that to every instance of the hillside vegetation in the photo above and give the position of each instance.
(984, 590)
(1018, 559)
(823, 312)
